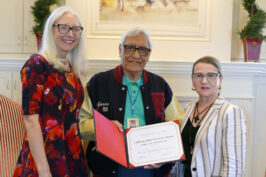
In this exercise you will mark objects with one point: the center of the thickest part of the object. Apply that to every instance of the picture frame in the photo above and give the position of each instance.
(188, 20)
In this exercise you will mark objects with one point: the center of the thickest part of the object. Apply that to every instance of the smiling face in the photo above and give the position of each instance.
(66, 42)
(133, 64)
(207, 89)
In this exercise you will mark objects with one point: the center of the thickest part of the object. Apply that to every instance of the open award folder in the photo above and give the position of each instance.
(135, 147)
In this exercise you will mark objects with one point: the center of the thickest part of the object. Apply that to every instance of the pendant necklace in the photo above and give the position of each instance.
(196, 118)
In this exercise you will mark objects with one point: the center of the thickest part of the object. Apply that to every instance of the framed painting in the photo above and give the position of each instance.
(164, 19)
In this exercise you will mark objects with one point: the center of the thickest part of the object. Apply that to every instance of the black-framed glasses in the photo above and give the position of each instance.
(143, 51)
(64, 29)
(210, 76)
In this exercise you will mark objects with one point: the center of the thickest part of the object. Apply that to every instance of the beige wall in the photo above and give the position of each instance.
(225, 19)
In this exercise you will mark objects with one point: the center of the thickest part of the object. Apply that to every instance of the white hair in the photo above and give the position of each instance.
(134, 32)
(49, 49)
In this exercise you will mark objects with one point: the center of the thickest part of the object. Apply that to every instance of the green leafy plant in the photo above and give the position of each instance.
(40, 11)
(256, 22)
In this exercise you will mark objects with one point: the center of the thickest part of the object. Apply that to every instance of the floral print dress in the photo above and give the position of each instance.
(56, 97)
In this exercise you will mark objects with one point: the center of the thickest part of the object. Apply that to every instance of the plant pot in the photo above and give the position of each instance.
(39, 40)
(252, 48)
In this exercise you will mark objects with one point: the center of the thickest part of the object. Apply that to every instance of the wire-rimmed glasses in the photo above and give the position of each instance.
(143, 51)
(209, 77)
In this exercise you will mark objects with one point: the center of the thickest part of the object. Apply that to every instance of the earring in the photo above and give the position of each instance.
(220, 88)
(193, 88)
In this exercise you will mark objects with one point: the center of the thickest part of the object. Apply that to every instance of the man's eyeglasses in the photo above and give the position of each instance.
(210, 76)
(143, 51)
(64, 29)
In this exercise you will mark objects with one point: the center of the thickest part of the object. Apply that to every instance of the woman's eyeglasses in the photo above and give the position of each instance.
(64, 29)
(210, 76)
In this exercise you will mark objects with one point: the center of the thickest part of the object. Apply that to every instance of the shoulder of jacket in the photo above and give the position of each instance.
(190, 104)
(155, 76)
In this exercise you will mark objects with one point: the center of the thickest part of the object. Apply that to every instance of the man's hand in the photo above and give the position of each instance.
(158, 165)
(118, 124)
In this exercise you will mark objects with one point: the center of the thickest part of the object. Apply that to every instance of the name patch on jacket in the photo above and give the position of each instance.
(102, 106)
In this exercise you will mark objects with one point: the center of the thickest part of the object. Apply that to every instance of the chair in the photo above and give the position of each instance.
(12, 131)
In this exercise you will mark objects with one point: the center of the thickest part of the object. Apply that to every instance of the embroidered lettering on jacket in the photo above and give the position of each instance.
(158, 101)
(102, 107)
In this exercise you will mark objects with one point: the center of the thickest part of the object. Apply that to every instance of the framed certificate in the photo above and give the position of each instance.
(135, 147)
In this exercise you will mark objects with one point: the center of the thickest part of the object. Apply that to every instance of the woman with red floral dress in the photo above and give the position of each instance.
(51, 98)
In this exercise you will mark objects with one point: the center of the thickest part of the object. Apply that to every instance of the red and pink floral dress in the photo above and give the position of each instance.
(57, 98)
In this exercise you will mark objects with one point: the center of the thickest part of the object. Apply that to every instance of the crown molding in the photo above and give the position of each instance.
(183, 67)
(160, 67)
(11, 64)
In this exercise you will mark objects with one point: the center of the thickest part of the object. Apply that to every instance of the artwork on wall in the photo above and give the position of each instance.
(165, 19)
(150, 11)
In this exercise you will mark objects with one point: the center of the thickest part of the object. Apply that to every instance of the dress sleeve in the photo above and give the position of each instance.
(234, 142)
(86, 123)
(173, 111)
(32, 79)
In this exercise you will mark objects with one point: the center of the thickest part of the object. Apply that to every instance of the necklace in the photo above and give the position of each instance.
(196, 118)
(197, 109)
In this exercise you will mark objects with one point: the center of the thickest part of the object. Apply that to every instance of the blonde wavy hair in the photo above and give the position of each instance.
(49, 49)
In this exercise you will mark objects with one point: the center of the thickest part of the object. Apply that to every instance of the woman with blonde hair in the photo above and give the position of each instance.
(51, 98)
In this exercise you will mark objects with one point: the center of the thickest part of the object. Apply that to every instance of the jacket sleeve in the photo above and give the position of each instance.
(86, 124)
(173, 111)
(234, 142)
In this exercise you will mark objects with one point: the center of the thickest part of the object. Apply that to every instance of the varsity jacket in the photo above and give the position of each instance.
(107, 94)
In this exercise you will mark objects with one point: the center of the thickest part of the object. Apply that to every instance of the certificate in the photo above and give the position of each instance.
(135, 147)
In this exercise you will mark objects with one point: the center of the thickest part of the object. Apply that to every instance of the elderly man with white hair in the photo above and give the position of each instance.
(128, 95)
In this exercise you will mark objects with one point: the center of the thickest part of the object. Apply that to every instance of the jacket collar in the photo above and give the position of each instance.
(190, 106)
(118, 73)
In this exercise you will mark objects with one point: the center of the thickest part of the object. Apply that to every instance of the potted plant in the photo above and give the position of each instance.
(252, 34)
(40, 10)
